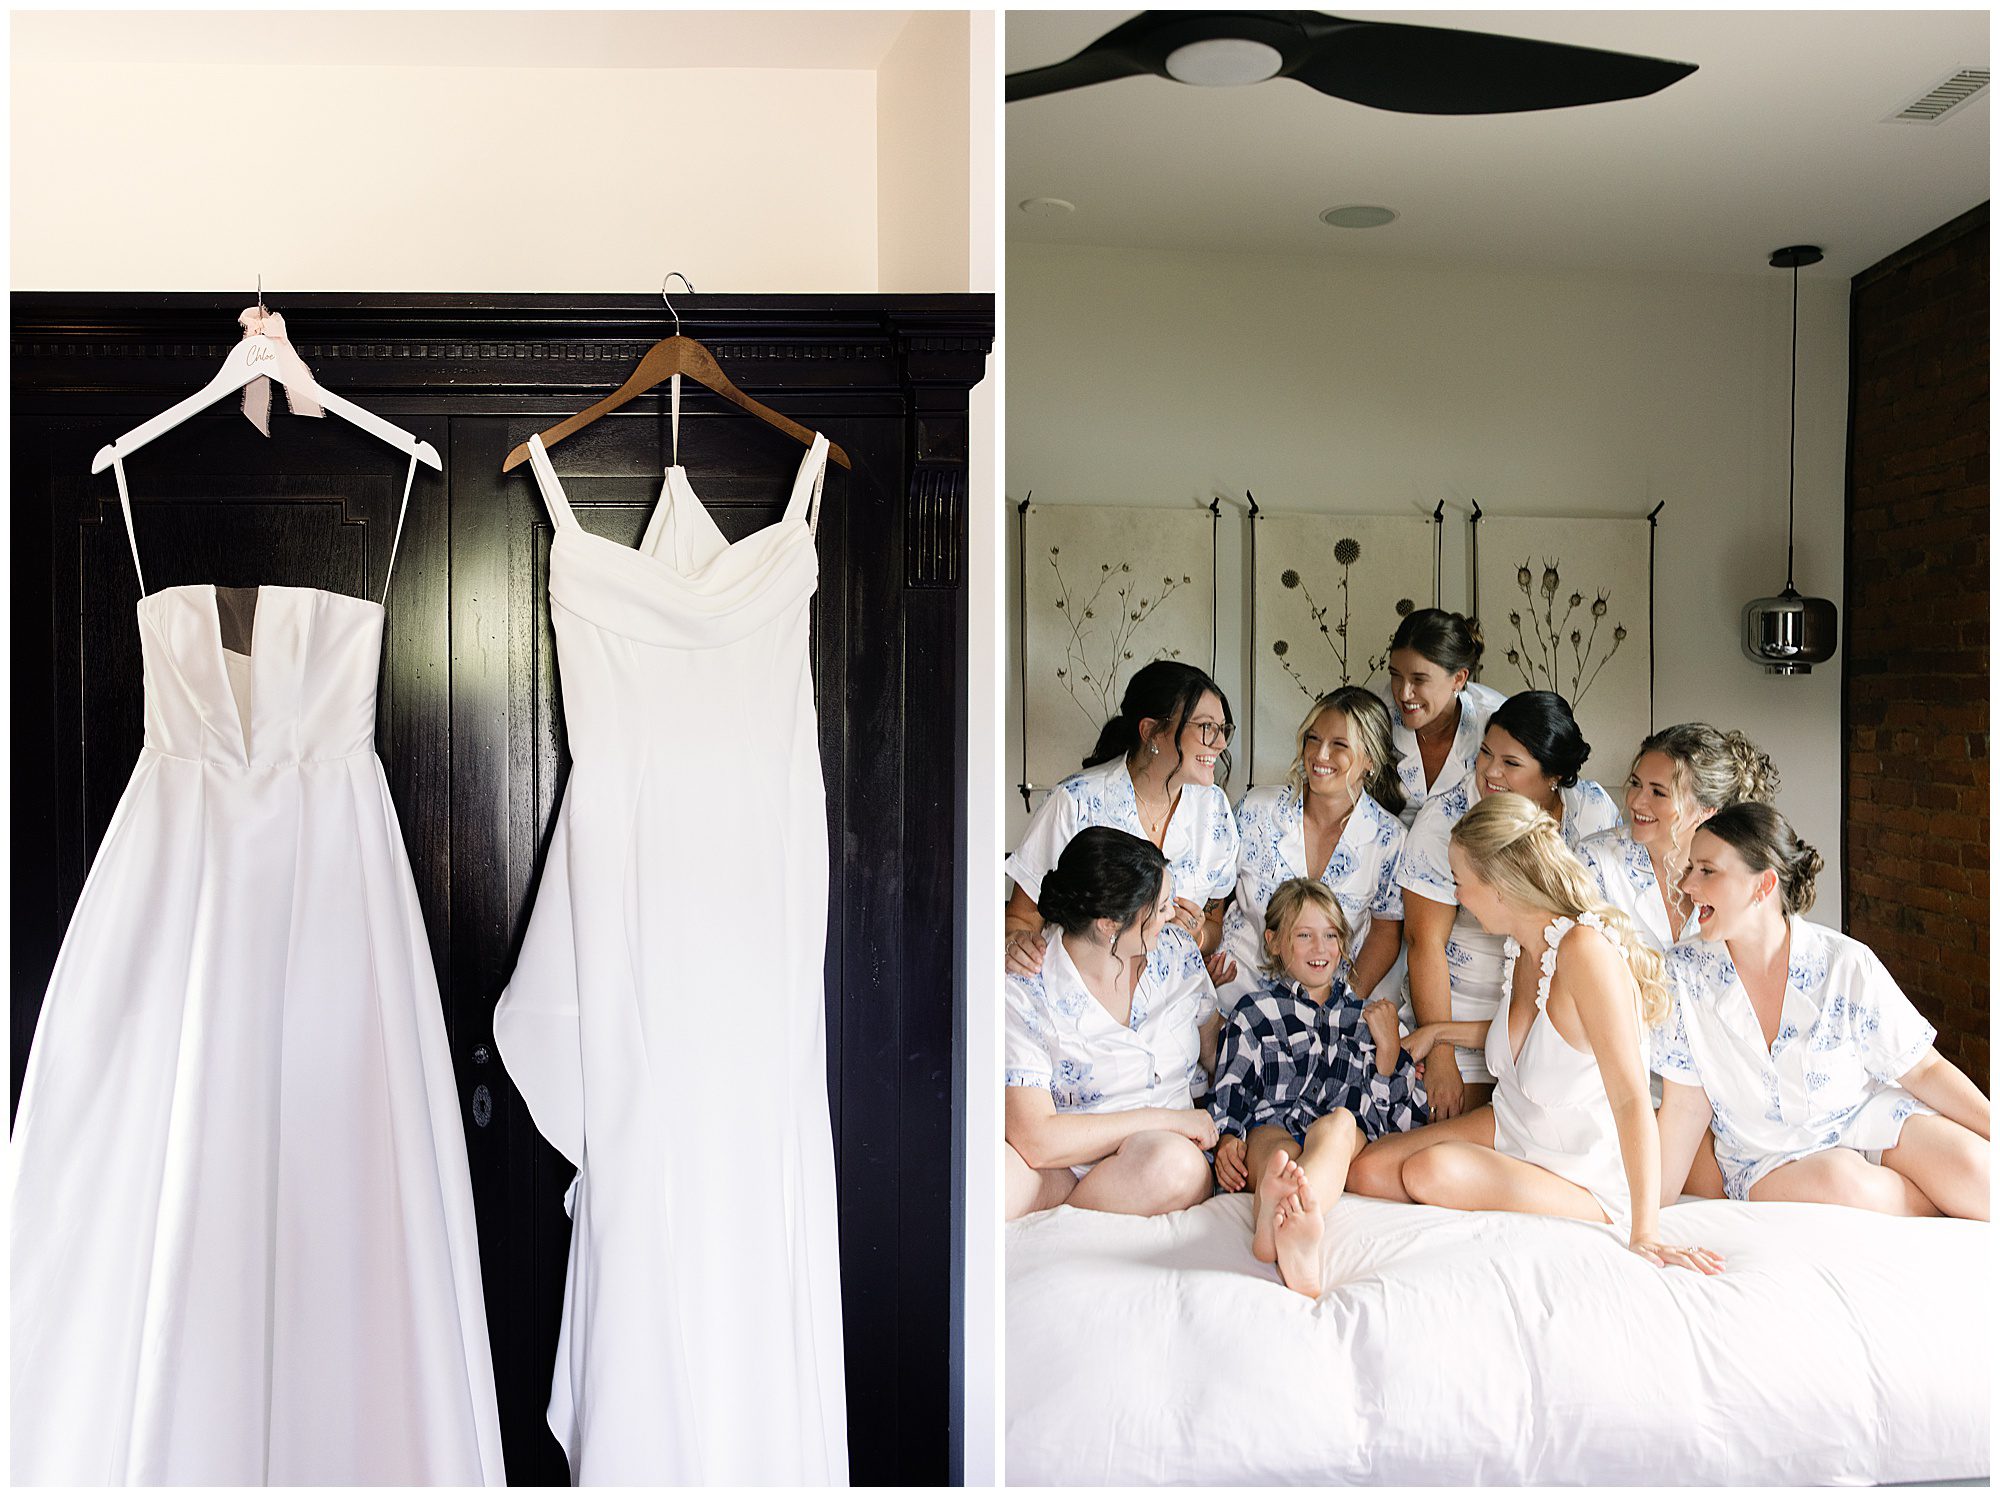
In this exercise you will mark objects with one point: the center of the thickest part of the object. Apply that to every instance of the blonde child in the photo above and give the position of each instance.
(1306, 1075)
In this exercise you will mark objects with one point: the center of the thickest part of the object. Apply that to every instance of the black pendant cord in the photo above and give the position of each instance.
(1792, 473)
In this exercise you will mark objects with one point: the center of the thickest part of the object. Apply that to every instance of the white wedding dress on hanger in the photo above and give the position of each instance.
(242, 1227)
(666, 1019)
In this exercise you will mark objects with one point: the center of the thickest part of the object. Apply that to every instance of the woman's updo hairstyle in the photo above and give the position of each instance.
(1103, 874)
(1281, 917)
(1450, 641)
(1715, 769)
(1168, 691)
(1765, 840)
(1543, 725)
(1517, 847)
(1368, 725)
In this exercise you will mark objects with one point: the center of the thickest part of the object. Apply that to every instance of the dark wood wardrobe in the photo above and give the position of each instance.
(470, 727)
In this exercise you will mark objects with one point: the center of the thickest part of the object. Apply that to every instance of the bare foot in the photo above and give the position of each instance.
(1296, 1230)
(1278, 1183)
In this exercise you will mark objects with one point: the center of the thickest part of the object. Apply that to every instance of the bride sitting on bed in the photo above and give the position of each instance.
(1108, 1043)
(1570, 1130)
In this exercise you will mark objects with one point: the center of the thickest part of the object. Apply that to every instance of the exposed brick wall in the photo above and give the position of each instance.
(1915, 657)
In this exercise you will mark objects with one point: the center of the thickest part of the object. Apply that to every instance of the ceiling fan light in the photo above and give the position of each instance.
(1224, 62)
(1358, 216)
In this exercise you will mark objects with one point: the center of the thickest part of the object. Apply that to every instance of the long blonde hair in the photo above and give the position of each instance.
(1517, 847)
(1368, 725)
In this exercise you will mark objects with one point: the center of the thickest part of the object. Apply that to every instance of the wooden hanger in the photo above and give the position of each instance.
(255, 357)
(669, 359)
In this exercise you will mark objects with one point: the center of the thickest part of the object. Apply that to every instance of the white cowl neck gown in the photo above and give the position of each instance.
(666, 1019)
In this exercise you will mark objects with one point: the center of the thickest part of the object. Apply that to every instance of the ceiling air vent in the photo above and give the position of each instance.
(1950, 94)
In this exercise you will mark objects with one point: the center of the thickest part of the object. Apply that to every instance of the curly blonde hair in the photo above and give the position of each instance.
(1517, 847)
(1281, 917)
(1712, 770)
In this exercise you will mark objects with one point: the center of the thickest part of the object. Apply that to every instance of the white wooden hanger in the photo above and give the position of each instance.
(257, 356)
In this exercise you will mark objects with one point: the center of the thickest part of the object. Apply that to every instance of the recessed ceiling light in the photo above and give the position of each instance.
(1047, 207)
(1358, 216)
(1224, 62)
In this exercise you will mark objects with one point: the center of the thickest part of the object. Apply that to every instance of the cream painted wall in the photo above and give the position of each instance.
(1163, 378)
(923, 143)
(983, 72)
(458, 172)
(443, 179)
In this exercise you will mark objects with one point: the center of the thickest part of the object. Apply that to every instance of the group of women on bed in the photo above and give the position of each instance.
(1163, 948)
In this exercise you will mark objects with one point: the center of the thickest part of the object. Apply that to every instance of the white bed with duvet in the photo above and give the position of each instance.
(1485, 1347)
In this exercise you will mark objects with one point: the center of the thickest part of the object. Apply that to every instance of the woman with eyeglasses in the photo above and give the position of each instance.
(1154, 774)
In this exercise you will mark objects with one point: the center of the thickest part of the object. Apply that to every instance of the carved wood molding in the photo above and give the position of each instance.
(934, 526)
(603, 351)
(111, 343)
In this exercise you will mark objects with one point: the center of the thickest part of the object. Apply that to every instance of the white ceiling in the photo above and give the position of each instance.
(1778, 139)
(856, 40)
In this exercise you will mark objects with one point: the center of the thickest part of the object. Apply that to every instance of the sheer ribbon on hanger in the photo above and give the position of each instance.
(257, 322)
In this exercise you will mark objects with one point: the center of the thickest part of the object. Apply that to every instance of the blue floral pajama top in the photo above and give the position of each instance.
(1271, 831)
(1846, 1035)
(1060, 1037)
(1200, 845)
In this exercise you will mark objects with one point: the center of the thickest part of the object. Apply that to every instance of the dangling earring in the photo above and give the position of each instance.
(1156, 748)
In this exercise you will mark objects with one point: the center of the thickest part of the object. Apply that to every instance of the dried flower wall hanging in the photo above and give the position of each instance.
(1555, 654)
(1103, 639)
(1315, 679)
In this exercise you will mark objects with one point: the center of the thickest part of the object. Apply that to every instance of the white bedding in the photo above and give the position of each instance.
(1455, 1347)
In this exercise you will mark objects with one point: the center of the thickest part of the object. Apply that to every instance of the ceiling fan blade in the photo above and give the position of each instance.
(1433, 70)
(1092, 65)
(1125, 51)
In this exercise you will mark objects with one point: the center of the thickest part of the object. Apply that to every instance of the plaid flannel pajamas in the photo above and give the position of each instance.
(1287, 1061)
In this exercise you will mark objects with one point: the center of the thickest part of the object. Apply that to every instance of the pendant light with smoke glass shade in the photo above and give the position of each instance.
(1788, 635)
